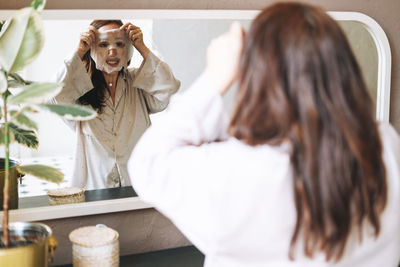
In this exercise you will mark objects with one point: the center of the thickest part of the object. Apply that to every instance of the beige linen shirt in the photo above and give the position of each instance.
(104, 144)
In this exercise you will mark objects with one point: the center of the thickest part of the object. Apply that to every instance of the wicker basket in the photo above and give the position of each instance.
(95, 246)
(66, 195)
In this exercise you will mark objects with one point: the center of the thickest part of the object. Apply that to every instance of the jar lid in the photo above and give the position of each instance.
(93, 236)
(65, 192)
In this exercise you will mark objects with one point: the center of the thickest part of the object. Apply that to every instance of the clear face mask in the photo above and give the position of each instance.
(111, 50)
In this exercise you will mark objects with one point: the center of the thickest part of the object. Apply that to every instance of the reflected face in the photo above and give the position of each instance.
(111, 49)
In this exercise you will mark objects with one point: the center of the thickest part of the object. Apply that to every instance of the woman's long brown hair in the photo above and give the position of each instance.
(96, 96)
(300, 82)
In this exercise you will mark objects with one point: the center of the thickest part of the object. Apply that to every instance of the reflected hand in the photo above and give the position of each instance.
(87, 38)
(223, 55)
(135, 36)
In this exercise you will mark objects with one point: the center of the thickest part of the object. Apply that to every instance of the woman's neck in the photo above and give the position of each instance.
(110, 78)
(111, 81)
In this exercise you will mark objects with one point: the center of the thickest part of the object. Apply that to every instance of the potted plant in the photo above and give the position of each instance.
(21, 40)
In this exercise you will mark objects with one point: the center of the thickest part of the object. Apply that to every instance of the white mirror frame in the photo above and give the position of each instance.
(134, 203)
(384, 59)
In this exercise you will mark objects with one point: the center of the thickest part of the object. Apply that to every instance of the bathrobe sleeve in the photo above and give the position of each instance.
(75, 79)
(157, 82)
(170, 167)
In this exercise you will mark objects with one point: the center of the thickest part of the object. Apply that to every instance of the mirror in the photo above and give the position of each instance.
(163, 36)
(180, 39)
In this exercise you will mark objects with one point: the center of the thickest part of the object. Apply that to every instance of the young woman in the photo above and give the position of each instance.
(302, 175)
(97, 76)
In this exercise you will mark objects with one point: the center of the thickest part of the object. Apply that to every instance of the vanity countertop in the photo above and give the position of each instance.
(176, 257)
(99, 201)
(90, 195)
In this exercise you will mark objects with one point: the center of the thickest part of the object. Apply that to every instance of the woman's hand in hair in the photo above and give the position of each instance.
(135, 36)
(223, 56)
(87, 38)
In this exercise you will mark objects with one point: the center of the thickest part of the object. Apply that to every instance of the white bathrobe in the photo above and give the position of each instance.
(235, 201)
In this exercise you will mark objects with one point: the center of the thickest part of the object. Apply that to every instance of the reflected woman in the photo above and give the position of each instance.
(97, 75)
(302, 175)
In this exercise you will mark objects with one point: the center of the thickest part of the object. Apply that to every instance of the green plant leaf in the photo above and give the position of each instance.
(32, 43)
(17, 80)
(70, 112)
(21, 40)
(3, 82)
(36, 93)
(42, 172)
(29, 109)
(24, 137)
(2, 22)
(13, 84)
(38, 4)
(23, 120)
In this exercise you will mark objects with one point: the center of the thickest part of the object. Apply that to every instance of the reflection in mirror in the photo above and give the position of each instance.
(366, 54)
(163, 37)
(91, 154)
(181, 43)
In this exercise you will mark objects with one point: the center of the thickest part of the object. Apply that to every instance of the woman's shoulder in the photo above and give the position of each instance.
(391, 144)
(388, 133)
(233, 149)
(131, 71)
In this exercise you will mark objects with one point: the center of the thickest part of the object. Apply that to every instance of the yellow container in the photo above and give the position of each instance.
(32, 255)
(13, 184)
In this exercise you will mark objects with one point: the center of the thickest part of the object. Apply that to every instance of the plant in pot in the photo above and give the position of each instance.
(21, 40)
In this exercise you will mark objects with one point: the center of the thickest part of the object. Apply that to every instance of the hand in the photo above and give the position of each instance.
(223, 55)
(86, 40)
(135, 36)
